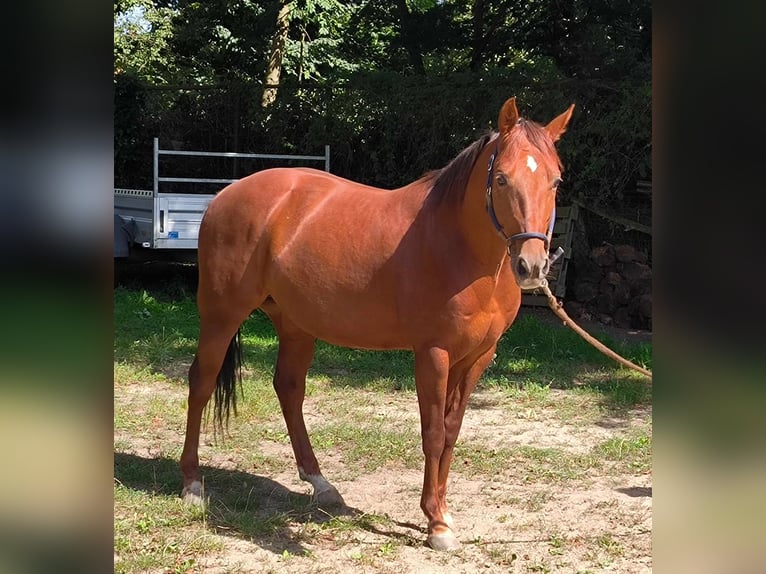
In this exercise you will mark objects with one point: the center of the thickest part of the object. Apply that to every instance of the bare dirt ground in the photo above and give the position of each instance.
(508, 521)
(602, 524)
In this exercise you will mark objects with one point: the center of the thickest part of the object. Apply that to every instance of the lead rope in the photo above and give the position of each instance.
(558, 309)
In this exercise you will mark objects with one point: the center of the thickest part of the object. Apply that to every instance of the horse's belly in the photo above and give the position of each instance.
(379, 319)
(345, 320)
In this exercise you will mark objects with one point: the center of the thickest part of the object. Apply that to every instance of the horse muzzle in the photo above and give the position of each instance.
(530, 267)
(530, 272)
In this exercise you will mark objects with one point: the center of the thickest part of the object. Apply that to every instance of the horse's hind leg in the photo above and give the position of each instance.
(296, 352)
(216, 334)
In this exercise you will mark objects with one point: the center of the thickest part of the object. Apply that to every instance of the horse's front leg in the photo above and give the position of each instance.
(431, 374)
(463, 378)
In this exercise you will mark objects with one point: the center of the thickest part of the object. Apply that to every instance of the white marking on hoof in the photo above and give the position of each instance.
(448, 520)
(443, 542)
(325, 494)
(531, 164)
(192, 494)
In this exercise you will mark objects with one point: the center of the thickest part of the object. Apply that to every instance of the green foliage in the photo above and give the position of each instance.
(142, 36)
(221, 40)
(608, 147)
(312, 48)
(633, 453)
(395, 89)
(147, 527)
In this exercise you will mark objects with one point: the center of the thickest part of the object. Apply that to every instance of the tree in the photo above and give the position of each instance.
(305, 43)
(406, 81)
(276, 55)
(142, 35)
(477, 35)
(410, 37)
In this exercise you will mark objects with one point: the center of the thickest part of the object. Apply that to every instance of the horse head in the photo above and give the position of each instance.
(524, 173)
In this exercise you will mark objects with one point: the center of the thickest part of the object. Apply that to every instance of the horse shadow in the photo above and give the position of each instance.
(243, 505)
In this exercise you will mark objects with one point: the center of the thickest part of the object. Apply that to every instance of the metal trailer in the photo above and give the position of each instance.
(160, 220)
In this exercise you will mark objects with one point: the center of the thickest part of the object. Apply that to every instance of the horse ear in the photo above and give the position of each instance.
(509, 115)
(558, 125)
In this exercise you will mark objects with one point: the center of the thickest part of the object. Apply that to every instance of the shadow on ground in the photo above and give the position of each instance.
(248, 506)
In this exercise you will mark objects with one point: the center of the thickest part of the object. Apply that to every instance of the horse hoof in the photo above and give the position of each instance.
(192, 494)
(329, 498)
(444, 542)
(325, 494)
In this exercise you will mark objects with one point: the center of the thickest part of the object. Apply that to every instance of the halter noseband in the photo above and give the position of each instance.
(546, 238)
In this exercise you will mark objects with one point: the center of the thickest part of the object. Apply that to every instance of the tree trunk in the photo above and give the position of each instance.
(410, 37)
(274, 69)
(477, 35)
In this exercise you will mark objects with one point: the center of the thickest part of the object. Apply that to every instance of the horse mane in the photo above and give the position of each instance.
(449, 183)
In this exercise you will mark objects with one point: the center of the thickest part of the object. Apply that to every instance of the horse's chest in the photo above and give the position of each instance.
(481, 315)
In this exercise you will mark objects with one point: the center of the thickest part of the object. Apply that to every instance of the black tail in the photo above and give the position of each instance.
(226, 386)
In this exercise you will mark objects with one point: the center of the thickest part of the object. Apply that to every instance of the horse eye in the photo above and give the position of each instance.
(501, 179)
(556, 182)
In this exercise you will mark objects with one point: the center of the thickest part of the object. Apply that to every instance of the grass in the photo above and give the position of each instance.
(368, 421)
(631, 454)
(532, 348)
(368, 447)
(152, 531)
(151, 332)
(552, 465)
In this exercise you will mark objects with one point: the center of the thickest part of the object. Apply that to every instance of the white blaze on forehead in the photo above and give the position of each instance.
(531, 164)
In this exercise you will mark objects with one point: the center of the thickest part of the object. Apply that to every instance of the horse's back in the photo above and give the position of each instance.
(254, 196)
(326, 249)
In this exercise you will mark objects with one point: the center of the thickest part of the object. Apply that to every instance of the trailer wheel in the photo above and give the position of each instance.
(123, 236)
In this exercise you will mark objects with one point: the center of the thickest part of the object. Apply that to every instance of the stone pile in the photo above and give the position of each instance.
(614, 286)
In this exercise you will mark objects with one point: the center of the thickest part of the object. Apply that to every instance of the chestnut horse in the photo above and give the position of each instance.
(436, 267)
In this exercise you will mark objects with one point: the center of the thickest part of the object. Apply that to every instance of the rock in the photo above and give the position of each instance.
(603, 255)
(622, 317)
(625, 253)
(585, 291)
(613, 278)
(589, 271)
(621, 294)
(605, 319)
(645, 305)
(605, 286)
(638, 276)
(636, 272)
(605, 303)
(574, 309)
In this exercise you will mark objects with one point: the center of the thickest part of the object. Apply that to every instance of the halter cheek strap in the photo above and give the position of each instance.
(546, 238)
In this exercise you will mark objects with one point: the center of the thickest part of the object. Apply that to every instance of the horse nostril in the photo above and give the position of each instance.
(522, 268)
(546, 266)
